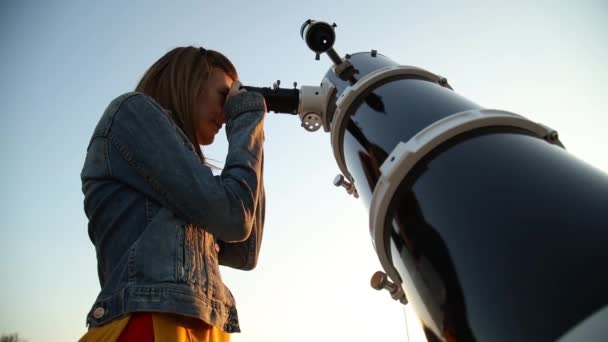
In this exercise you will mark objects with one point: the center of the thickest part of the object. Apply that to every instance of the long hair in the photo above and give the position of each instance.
(175, 81)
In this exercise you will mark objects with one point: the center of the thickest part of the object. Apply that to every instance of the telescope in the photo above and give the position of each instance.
(480, 218)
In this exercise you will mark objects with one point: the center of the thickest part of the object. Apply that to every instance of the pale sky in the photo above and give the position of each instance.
(64, 61)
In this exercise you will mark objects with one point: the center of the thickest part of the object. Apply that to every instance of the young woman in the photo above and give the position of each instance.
(161, 222)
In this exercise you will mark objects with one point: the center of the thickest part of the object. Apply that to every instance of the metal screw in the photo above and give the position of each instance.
(339, 180)
(553, 136)
(380, 281)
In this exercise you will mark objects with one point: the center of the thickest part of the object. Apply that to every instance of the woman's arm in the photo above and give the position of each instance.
(224, 205)
(244, 255)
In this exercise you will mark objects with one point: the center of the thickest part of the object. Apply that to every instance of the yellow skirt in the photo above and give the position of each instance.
(167, 328)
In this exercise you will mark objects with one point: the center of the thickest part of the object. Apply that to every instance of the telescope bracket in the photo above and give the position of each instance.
(337, 122)
(406, 155)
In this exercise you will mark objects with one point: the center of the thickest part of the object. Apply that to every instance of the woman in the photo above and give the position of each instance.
(161, 222)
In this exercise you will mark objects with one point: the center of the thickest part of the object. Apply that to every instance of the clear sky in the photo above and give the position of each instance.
(63, 61)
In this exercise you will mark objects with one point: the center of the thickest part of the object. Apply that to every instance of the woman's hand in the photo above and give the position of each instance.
(234, 89)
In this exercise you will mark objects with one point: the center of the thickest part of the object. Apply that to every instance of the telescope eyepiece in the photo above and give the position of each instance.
(318, 35)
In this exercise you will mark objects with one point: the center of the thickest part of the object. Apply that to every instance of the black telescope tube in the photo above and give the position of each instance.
(279, 100)
(496, 234)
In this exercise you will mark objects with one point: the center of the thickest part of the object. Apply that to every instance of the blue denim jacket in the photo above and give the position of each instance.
(161, 222)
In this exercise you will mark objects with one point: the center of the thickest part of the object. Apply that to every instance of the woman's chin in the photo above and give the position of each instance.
(208, 140)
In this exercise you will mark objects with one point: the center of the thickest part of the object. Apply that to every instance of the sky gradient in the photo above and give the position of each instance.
(64, 61)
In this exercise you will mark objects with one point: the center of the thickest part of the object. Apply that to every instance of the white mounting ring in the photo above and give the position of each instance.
(351, 93)
(406, 155)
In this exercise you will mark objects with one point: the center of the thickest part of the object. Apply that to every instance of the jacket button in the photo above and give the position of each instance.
(99, 312)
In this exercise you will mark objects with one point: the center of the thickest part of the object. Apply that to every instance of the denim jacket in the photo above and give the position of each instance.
(161, 222)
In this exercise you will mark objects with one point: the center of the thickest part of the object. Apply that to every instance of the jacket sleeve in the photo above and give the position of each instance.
(224, 205)
(244, 255)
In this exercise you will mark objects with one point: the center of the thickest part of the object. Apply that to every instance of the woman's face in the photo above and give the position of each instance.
(209, 110)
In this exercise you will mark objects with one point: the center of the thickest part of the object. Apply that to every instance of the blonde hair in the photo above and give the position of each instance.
(175, 81)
